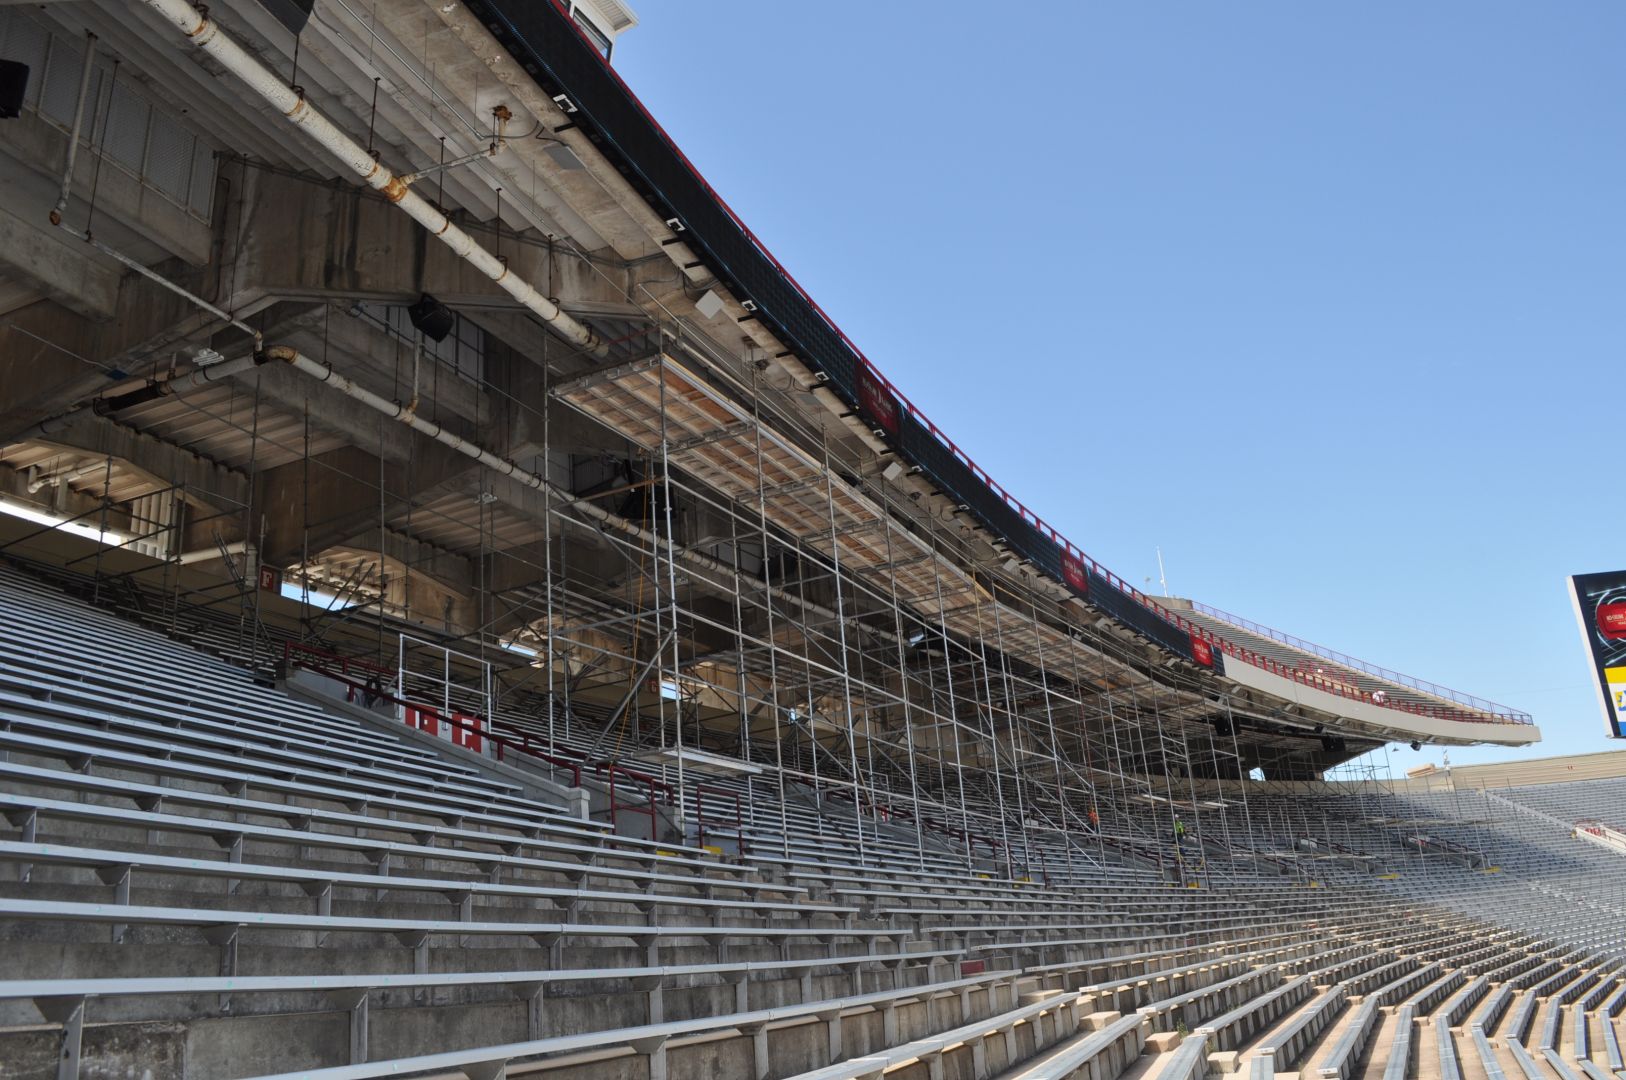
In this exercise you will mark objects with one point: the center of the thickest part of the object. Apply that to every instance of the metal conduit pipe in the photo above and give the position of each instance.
(137, 395)
(112, 253)
(73, 132)
(197, 555)
(70, 476)
(179, 384)
(396, 411)
(208, 37)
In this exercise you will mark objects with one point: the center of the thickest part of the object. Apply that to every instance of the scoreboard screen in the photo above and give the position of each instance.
(1600, 610)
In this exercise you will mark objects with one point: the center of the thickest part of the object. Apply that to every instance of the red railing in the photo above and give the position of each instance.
(1497, 714)
(345, 664)
(655, 785)
(964, 836)
(518, 741)
(475, 725)
(700, 793)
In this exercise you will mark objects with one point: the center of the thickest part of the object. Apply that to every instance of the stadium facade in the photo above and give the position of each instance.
(395, 354)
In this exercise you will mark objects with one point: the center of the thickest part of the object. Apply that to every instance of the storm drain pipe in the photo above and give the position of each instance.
(209, 38)
(73, 132)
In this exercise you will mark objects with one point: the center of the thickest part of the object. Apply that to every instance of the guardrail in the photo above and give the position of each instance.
(653, 785)
(1423, 686)
(701, 792)
(553, 50)
(504, 744)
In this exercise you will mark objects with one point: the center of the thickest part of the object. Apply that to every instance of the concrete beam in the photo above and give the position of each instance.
(306, 238)
(46, 260)
(450, 570)
(203, 482)
(337, 496)
(126, 209)
(52, 358)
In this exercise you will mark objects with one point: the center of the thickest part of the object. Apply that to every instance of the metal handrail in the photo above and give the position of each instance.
(503, 743)
(1478, 704)
(701, 790)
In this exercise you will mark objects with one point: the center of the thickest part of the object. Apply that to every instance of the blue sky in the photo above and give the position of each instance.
(1325, 301)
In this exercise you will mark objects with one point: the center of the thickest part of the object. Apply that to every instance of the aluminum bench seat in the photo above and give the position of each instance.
(189, 669)
(1424, 1000)
(319, 882)
(1611, 1038)
(1155, 943)
(65, 1001)
(1192, 1007)
(139, 697)
(290, 766)
(1188, 1062)
(223, 926)
(1340, 1060)
(825, 869)
(1285, 1046)
(1487, 1053)
(652, 1040)
(17, 989)
(83, 756)
(216, 691)
(1392, 993)
(918, 894)
(23, 812)
(1559, 1066)
(230, 834)
(1124, 931)
(1398, 1067)
(1038, 916)
(1455, 1011)
(1232, 1029)
(1111, 993)
(1214, 953)
(1494, 1007)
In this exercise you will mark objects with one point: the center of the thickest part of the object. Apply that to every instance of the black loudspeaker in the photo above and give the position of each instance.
(431, 317)
(291, 13)
(13, 85)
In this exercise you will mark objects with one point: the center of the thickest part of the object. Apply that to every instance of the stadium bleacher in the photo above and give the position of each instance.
(603, 672)
(238, 881)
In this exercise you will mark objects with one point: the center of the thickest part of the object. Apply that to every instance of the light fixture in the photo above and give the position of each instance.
(1415, 745)
(709, 304)
(563, 156)
(13, 88)
(431, 318)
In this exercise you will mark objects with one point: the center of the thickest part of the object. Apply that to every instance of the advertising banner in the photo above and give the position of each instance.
(877, 401)
(1600, 610)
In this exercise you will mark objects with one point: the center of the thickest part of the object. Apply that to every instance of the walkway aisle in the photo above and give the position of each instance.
(1378, 1059)
(1329, 1039)
(1468, 1055)
(1264, 1037)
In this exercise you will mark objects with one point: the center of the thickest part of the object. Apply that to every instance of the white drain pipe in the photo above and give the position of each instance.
(208, 37)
